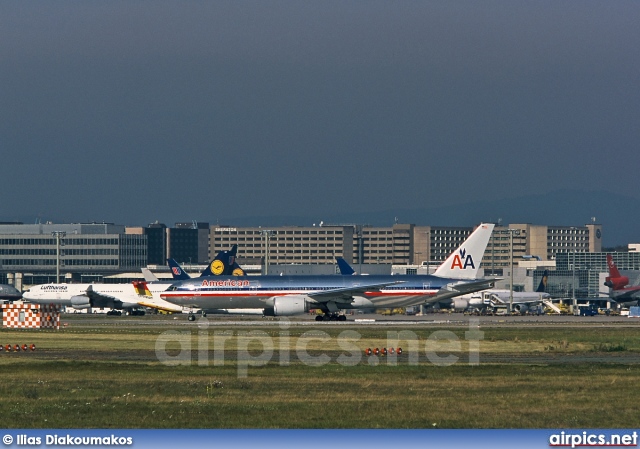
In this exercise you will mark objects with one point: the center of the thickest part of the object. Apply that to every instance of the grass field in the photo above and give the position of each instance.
(90, 376)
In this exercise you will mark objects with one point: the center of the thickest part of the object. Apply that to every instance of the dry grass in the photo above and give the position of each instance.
(83, 378)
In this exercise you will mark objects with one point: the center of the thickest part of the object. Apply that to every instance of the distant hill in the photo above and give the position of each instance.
(618, 214)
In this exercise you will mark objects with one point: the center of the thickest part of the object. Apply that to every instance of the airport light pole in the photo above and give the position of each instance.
(360, 248)
(58, 235)
(511, 232)
(573, 268)
(493, 248)
(267, 233)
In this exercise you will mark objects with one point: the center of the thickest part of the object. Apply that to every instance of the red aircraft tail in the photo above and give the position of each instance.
(615, 280)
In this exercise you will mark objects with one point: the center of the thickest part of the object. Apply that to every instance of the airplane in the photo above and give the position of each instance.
(522, 301)
(619, 291)
(9, 293)
(130, 297)
(292, 295)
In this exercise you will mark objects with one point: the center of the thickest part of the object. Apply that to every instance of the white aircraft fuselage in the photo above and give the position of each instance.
(115, 296)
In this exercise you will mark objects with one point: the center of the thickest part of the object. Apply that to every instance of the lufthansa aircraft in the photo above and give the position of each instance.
(115, 296)
(292, 295)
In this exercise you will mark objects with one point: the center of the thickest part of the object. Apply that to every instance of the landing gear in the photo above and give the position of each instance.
(331, 317)
(192, 314)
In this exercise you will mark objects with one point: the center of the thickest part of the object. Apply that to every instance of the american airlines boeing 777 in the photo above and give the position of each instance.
(292, 295)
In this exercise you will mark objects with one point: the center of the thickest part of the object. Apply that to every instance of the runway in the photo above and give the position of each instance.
(440, 320)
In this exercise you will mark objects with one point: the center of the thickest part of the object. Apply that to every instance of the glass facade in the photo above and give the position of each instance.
(83, 248)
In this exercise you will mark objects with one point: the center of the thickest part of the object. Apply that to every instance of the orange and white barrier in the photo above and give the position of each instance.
(30, 316)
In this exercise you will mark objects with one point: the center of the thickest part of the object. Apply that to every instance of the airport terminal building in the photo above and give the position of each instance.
(29, 253)
(402, 244)
(93, 252)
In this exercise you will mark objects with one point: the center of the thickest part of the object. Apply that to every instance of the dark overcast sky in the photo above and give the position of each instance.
(136, 111)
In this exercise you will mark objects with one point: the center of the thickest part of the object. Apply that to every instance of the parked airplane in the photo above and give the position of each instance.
(9, 293)
(130, 297)
(522, 301)
(291, 295)
(619, 291)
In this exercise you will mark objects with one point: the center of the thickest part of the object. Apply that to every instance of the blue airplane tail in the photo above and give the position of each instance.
(224, 264)
(542, 288)
(176, 271)
(344, 267)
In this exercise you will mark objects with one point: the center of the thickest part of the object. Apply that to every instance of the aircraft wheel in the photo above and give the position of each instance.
(191, 317)
(342, 318)
(319, 317)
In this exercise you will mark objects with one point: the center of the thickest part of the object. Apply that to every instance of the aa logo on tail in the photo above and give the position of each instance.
(462, 260)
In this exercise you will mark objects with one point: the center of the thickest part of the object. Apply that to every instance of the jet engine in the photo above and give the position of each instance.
(291, 305)
(520, 308)
(80, 302)
(459, 304)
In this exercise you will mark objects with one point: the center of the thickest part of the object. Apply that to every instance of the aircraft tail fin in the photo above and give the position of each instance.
(542, 288)
(613, 270)
(615, 280)
(224, 264)
(464, 262)
(176, 271)
(141, 288)
(344, 267)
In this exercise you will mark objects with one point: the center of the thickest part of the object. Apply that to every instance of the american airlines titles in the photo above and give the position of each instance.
(225, 283)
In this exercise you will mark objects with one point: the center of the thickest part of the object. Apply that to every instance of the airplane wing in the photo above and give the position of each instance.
(146, 299)
(142, 299)
(346, 294)
(454, 289)
(165, 308)
(103, 300)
